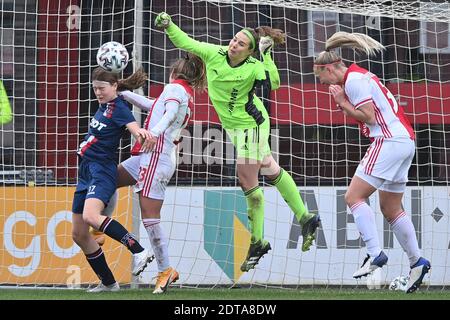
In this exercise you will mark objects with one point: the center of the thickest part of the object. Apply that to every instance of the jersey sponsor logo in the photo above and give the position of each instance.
(109, 110)
(97, 124)
(232, 101)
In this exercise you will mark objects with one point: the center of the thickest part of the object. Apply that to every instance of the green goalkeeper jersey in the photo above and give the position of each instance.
(231, 89)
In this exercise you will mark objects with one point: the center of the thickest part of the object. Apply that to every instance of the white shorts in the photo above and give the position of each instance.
(152, 171)
(131, 165)
(386, 163)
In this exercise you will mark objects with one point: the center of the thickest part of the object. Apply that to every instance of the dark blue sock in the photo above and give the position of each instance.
(98, 264)
(116, 231)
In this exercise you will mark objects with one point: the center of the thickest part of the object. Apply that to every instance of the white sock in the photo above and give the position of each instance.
(159, 242)
(365, 222)
(406, 235)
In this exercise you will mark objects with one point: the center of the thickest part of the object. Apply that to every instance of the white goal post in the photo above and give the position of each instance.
(47, 54)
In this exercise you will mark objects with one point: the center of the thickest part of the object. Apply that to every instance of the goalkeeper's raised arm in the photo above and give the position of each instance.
(181, 40)
(262, 40)
(232, 71)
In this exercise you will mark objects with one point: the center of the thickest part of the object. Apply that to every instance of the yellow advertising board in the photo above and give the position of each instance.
(36, 245)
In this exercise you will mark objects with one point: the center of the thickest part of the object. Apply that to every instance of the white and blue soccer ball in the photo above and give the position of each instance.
(112, 56)
(399, 283)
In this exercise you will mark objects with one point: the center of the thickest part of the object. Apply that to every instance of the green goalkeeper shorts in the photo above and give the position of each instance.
(252, 143)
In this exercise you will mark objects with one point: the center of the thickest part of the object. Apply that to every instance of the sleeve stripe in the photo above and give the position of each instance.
(362, 102)
(172, 99)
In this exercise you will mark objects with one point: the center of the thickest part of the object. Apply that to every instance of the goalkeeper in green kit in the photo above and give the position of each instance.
(233, 73)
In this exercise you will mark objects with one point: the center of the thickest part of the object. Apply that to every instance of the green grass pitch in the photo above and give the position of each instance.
(226, 294)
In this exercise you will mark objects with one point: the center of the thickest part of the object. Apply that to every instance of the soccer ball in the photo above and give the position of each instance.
(112, 56)
(399, 283)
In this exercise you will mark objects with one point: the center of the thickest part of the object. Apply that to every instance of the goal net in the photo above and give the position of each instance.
(47, 55)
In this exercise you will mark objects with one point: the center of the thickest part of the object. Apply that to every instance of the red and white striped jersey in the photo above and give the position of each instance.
(169, 114)
(361, 87)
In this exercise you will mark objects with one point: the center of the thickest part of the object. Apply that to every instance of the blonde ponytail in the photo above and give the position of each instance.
(357, 41)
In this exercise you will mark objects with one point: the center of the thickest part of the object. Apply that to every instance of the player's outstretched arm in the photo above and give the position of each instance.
(181, 40)
(143, 136)
(265, 48)
(163, 20)
(168, 118)
(137, 100)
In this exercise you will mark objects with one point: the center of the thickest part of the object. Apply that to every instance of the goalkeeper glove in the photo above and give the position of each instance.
(162, 20)
(265, 44)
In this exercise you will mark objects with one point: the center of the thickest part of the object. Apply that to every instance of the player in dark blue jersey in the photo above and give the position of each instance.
(97, 175)
(169, 115)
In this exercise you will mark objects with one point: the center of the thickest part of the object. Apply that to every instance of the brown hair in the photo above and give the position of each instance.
(192, 69)
(357, 41)
(278, 36)
(136, 80)
(101, 74)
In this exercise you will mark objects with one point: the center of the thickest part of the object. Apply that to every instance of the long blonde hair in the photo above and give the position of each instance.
(357, 41)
